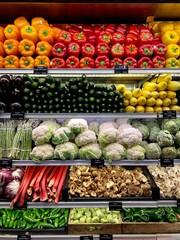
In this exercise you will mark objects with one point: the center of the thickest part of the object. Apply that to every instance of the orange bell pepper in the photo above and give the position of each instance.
(26, 62)
(42, 61)
(2, 35)
(1, 62)
(11, 61)
(11, 47)
(21, 22)
(30, 33)
(57, 31)
(2, 52)
(43, 48)
(39, 22)
(12, 32)
(26, 47)
(46, 34)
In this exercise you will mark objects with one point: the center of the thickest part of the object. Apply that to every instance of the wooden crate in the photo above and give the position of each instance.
(95, 228)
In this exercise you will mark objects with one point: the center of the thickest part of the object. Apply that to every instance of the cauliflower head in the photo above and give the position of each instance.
(42, 152)
(142, 128)
(66, 151)
(90, 151)
(51, 124)
(113, 152)
(106, 125)
(170, 125)
(108, 135)
(77, 125)
(165, 139)
(136, 153)
(41, 135)
(85, 138)
(94, 126)
(153, 151)
(61, 135)
(129, 136)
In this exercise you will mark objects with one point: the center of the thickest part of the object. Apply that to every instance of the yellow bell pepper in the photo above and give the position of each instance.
(30, 33)
(167, 27)
(173, 51)
(170, 37)
(172, 63)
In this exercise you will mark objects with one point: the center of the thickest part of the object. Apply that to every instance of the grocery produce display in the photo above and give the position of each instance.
(158, 94)
(32, 219)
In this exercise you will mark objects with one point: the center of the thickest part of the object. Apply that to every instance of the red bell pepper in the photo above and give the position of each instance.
(59, 50)
(104, 37)
(118, 37)
(145, 38)
(97, 30)
(117, 51)
(64, 37)
(133, 29)
(159, 62)
(92, 39)
(131, 51)
(131, 39)
(74, 49)
(88, 50)
(157, 40)
(122, 28)
(144, 28)
(87, 29)
(79, 38)
(57, 63)
(160, 49)
(102, 62)
(130, 62)
(116, 62)
(110, 28)
(102, 49)
(145, 62)
(86, 62)
(74, 29)
(72, 62)
(145, 50)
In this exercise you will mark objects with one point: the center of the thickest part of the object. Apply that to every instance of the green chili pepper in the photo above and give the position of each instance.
(56, 222)
(28, 218)
(11, 223)
(1, 223)
(15, 224)
(46, 225)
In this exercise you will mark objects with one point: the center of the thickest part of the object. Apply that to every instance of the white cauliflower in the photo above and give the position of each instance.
(107, 125)
(90, 151)
(85, 138)
(42, 152)
(94, 126)
(66, 151)
(77, 125)
(121, 121)
(108, 135)
(51, 124)
(129, 136)
(113, 152)
(61, 135)
(41, 135)
(136, 153)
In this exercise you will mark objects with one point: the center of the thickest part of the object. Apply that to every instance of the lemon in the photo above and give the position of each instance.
(130, 109)
(121, 88)
(159, 102)
(165, 108)
(175, 107)
(161, 86)
(149, 109)
(173, 86)
(136, 92)
(162, 94)
(174, 101)
(127, 94)
(160, 79)
(140, 109)
(154, 94)
(126, 102)
(150, 101)
(146, 93)
(154, 80)
(141, 101)
(133, 101)
(167, 78)
(144, 84)
(157, 109)
(166, 102)
(171, 94)
(150, 87)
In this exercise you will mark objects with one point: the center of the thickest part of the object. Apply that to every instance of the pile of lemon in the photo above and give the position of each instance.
(156, 95)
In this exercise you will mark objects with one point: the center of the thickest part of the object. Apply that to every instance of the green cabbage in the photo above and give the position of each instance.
(165, 139)
(153, 151)
(170, 125)
(177, 138)
(169, 152)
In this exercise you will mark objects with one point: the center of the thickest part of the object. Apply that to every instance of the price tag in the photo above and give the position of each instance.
(97, 163)
(178, 203)
(86, 237)
(105, 237)
(169, 114)
(17, 115)
(167, 162)
(6, 163)
(23, 237)
(115, 206)
(40, 70)
(17, 207)
(121, 69)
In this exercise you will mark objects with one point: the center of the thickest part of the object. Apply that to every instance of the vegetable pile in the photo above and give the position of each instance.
(108, 182)
(41, 183)
(94, 215)
(39, 218)
(160, 214)
(48, 94)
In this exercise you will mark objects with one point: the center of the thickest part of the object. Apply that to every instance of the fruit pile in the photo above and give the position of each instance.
(154, 96)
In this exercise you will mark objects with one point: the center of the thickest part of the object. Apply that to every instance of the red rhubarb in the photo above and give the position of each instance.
(58, 179)
(38, 180)
(52, 173)
(53, 179)
(60, 186)
(43, 185)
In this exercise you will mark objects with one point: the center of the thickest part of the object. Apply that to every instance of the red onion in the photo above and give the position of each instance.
(17, 174)
(5, 176)
(12, 188)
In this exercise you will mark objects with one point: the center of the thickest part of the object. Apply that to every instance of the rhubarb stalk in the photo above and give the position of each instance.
(38, 180)
(60, 186)
(43, 185)
(58, 178)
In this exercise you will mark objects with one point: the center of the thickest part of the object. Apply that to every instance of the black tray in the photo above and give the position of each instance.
(155, 191)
